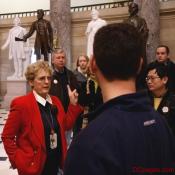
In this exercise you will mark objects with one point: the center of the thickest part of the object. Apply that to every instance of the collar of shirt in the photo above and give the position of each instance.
(59, 71)
(79, 70)
(41, 100)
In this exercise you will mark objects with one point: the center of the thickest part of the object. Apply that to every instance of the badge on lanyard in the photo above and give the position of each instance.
(53, 140)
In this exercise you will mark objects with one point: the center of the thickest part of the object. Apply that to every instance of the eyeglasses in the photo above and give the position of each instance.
(151, 78)
(44, 78)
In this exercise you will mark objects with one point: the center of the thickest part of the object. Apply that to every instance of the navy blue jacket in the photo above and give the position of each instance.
(127, 137)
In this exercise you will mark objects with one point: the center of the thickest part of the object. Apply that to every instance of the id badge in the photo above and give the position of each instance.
(53, 141)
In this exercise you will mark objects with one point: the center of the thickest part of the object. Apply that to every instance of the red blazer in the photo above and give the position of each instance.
(23, 133)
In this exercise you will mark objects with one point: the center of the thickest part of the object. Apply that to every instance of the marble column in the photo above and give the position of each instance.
(61, 22)
(150, 12)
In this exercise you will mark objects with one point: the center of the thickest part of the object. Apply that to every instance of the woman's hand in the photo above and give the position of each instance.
(73, 95)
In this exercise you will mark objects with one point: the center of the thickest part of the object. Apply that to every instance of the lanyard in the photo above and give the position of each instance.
(50, 122)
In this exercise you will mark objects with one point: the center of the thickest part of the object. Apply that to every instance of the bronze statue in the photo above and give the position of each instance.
(142, 28)
(44, 36)
(139, 23)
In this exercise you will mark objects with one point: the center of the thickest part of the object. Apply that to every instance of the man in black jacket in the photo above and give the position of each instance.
(163, 100)
(128, 136)
(62, 77)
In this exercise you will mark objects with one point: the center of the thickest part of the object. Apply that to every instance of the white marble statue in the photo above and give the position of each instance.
(19, 51)
(92, 28)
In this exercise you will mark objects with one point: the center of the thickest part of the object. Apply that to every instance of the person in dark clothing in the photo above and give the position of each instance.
(92, 96)
(162, 56)
(128, 136)
(60, 79)
(44, 36)
(163, 100)
(81, 69)
(81, 76)
(91, 99)
(90, 93)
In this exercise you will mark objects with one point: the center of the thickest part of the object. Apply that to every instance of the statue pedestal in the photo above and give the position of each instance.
(15, 88)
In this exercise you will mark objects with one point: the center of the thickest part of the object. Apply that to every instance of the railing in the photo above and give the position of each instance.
(121, 3)
(101, 6)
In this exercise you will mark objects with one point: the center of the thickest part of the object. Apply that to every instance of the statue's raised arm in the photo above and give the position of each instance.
(17, 49)
(44, 36)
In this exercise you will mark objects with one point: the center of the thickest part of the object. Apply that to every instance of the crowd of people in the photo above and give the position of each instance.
(41, 124)
(94, 120)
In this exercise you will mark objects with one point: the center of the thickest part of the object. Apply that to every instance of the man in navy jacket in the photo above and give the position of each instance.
(128, 136)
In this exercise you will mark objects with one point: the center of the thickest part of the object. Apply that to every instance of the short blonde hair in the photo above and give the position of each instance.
(33, 69)
(57, 51)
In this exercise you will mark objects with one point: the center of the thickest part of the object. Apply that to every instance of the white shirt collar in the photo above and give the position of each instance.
(41, 100)
(79, 70)
(60, 71)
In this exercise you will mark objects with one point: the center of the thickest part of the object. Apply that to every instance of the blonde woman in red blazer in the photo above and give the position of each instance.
(24, 135)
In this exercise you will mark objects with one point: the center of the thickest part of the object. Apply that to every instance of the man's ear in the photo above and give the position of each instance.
(165, 79)
(140, 66)
(93, 65)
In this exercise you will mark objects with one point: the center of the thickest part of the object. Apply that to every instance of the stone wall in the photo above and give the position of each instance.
(79, 24)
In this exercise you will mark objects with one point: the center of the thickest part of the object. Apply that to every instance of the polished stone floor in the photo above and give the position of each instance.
(4, 162)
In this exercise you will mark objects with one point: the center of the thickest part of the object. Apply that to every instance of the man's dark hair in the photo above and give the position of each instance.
(117, 49)
(161, 69)
(166, 47)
